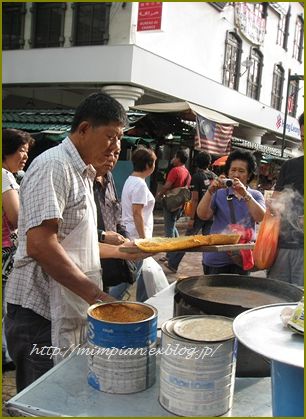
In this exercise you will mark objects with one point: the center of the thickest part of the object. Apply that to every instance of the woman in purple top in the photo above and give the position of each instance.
(235, 204)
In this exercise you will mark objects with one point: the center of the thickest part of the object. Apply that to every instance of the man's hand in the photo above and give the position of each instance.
(111, 237)
(190, 223)
(104, 298)
(137, 255)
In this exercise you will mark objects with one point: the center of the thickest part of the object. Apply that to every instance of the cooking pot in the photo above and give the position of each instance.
(230, 295)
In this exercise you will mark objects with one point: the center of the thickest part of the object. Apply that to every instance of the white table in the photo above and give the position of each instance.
(63, 391)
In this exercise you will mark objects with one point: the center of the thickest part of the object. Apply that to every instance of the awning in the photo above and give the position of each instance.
(38, 120)
(238, 142)
(186, 108)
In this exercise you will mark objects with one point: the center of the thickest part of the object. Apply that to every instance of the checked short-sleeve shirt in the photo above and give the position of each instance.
(53, 188)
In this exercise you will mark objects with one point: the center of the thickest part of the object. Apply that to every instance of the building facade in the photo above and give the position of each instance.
(232, 57)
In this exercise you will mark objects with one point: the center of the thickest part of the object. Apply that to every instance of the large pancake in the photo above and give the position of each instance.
(171, 244)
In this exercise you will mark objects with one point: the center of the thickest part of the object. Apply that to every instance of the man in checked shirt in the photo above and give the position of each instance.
(57, 274)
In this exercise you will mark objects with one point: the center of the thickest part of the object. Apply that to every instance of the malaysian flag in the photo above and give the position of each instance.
(213, 137)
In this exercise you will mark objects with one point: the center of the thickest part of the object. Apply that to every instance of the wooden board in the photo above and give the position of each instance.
(215, 248)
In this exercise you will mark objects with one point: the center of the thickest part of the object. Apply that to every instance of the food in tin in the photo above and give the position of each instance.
(122, 312)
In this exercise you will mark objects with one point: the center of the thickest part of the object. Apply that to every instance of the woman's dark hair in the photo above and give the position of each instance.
(182, 156)
(99, 109)
(203, 160)
(244, 156)
(12, 139)
(143, 158)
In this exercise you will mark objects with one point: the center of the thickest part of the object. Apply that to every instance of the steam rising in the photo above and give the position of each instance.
(290, 205)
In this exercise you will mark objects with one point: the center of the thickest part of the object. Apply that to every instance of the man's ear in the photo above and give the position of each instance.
(83, 127)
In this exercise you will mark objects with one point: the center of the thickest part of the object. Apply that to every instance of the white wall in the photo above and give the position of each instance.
(183, 60)
(193, 35)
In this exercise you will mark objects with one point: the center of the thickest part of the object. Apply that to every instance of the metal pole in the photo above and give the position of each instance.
(286, 113)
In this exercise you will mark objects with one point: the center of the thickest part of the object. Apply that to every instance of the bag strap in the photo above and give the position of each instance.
(187, 177)
(114, 188)
(229, 198)
(100, 222)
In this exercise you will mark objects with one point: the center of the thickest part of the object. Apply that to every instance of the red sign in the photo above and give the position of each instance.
(149, 16)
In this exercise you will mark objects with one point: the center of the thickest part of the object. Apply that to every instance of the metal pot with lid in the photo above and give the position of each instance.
(230, 295)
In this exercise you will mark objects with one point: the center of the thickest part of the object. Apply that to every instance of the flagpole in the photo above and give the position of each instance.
(295, 77)
(286, 113)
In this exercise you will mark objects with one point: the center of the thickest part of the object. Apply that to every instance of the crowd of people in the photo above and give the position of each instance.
(72, 227)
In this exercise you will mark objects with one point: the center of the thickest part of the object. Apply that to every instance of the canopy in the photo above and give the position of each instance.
(188, 109)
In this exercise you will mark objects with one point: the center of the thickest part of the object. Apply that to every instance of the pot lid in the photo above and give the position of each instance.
(205, 328)
(262, 331)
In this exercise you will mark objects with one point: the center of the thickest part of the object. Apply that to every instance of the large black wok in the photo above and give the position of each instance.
(230, 295)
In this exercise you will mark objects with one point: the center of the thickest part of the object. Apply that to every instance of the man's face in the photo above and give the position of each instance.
(110, 160)
(99, 144)
(175, 161)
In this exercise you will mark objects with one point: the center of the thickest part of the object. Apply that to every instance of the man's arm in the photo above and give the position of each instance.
(171, 177)
(44, 247)
(165, 188)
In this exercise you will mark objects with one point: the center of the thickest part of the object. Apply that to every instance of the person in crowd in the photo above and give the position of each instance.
(178, 176)
(236, 204)
(57, 272)
(15, 148)
(110, 228)
(137, 206)
(200, 182)
(289, 195)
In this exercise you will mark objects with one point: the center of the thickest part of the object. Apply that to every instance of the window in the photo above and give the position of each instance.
(260, 10)
(298, 39)
(13, 25)
(254, 74)
(277, 87)
(48, 25)
(90, 23)
(281, 29)
(232, 60)
(286, 34)
(293, 97)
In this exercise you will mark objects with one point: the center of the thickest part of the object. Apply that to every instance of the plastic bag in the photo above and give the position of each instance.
(296, 321)
(265, 249)
(153, 277)
(243, 258)
(188, 209)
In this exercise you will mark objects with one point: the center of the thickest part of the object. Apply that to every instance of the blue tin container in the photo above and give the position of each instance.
(123, 334)
(287, 390)
(122, 342)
